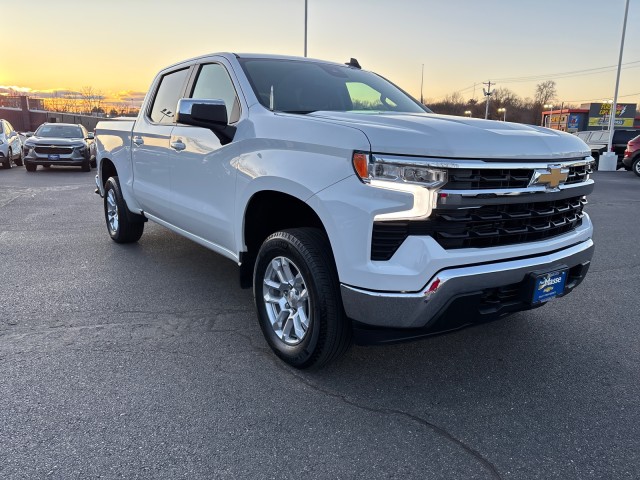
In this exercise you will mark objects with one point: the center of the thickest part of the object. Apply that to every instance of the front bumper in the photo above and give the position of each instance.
(628, 161)
(74, 159)
(460, 296)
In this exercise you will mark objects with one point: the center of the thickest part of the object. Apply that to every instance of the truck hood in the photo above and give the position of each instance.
(458, 137)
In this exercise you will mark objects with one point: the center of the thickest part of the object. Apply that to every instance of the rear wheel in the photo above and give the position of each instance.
(30, 166)
(123, 226)
(297, 295)
(635, 166)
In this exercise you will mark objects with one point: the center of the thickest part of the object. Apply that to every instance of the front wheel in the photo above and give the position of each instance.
(7, 163)
(123, 226)
(297, 295)
(30, 166)
(635, 166)
(19, 161)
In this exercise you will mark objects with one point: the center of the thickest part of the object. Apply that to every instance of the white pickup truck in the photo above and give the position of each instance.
(354, 212)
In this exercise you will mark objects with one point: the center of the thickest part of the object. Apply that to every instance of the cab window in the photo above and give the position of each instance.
(169, 91)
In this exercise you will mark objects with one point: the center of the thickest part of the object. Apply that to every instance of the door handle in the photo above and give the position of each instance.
(178, 145)
(137, 140)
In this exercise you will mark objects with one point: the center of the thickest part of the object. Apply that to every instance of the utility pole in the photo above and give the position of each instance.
(421, 86)
(614, 106)
(305, 27)
(487, 94)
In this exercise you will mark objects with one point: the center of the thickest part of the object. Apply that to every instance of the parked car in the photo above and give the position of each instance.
(631, 159)
(10, 145)
(60, 144)
(353, 211)
(599, 139)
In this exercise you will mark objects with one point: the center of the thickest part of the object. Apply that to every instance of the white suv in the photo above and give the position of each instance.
(10, 145)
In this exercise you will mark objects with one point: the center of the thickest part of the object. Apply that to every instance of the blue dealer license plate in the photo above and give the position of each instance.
(548, 286)
(54, 157)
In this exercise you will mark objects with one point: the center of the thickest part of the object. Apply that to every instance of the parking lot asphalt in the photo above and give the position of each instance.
(146, 361)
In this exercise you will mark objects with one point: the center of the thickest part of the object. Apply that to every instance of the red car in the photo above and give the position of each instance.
(631, 159)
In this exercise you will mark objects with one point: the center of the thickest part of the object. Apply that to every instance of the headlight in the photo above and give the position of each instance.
(370, 168)
(403, 175)
(81, 148)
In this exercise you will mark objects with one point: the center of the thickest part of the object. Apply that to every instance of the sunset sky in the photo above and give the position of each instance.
(116, 46)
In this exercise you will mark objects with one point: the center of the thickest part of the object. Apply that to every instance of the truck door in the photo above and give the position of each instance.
(203, 178)
(150, 145)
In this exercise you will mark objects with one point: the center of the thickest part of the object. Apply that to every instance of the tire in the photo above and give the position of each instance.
(93, 163)
(635, 166)
(30, 166)
(19, 161)
(46, 165)
(7, 163)
(86, 166)
(302, 256)
(123, 226)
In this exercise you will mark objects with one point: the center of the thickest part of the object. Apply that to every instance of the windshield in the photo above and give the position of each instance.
(296, 86)
(59, 131)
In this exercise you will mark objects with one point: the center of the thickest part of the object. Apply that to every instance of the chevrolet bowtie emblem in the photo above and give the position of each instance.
(552, 177)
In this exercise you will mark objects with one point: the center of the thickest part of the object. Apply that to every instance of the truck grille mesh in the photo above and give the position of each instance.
(487, 226)
(478, 178)
(52, 149)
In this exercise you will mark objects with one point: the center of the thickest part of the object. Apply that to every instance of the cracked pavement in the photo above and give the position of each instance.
(146, 361)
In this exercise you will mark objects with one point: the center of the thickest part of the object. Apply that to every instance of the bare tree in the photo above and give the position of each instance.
(546, 92)
(90, 100)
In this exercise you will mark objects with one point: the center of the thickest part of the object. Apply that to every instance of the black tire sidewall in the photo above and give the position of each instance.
(635, 166)
(301, 354)
(113, 184)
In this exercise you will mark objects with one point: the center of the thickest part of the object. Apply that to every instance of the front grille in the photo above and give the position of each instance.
(579, 173)
(491, 179)
(476, 178)
(486, 226)
(52, 149)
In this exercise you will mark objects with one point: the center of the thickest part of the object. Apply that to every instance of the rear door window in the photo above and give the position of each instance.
(163, 110)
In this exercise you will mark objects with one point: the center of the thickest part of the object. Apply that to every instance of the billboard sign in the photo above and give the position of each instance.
(599, 114)
(573, 122)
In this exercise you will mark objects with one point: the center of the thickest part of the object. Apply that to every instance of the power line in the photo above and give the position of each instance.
(601, 98)
(561, 74)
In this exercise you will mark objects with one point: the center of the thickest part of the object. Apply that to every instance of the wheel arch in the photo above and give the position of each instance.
(267, 212)
(106, 169)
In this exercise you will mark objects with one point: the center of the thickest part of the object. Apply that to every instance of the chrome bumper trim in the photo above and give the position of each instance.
(417, 309)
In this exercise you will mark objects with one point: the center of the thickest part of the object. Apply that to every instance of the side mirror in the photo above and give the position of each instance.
(202, 113)
(89, 136)
(28, 134)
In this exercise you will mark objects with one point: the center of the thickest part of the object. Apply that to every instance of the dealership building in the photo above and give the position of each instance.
(591, 116)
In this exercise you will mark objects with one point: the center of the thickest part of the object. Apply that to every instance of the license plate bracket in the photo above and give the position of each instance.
(547, 285)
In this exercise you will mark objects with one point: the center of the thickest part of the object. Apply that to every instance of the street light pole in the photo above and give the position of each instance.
(550, 107)
(421, 85)
(305, 27)
(614, 106)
